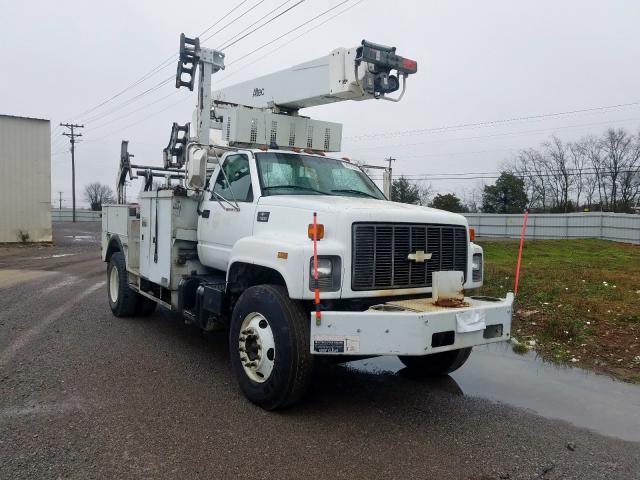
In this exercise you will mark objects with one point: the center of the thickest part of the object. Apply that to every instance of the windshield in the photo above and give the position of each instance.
(296, 174)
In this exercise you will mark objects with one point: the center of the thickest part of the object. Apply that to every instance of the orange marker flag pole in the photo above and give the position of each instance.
(522, 233)
(315, 266)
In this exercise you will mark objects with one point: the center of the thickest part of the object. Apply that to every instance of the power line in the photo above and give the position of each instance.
(491, 177)
(137, 122)
(493, 135)
(263, 25)
(160, 67)
(165, 63)
(170, 59)
(288, 32)
(578, 171)
(225, 16)
(230, 23)
(143, 107)
(168, 79)
(419, 131)
(271, 52)
(249, 26)
(132, 99)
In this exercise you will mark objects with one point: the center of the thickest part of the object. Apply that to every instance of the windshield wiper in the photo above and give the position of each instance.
(348, 190)
(296, 187)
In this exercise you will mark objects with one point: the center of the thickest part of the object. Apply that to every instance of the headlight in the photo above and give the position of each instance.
(329, 272)
(476, 267)
(324, 267)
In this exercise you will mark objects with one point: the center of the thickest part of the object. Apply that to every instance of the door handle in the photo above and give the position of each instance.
(206, 213)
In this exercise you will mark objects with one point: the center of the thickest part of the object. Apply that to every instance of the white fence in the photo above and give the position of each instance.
(82, 215)
(619, 227)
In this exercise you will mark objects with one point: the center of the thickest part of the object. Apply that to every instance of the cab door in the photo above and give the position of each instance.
(228, 210)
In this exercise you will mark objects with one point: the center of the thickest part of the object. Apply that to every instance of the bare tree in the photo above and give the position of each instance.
(472, 197)
(602, 171)
(590, 185)
(558, 170)
(530, 165)
(97, 194)
(426, 192)
(593, 151)
(630, 177)
(579, 165)
(618, 148)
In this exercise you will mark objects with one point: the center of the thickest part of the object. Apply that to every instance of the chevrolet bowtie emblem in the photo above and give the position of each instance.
(419, 256)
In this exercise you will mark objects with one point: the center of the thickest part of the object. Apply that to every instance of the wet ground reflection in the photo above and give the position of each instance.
(494, 372)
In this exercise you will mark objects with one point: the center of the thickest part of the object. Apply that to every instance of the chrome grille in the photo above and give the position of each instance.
(380, 253)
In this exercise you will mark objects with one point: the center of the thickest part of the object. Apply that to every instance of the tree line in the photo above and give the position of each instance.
(595, 173)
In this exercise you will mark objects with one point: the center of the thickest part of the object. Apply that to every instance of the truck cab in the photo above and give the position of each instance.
(261, 203)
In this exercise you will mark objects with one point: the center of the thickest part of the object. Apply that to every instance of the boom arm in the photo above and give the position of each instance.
(359, 73)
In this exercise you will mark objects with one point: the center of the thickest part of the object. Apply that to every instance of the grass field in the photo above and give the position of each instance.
(578, 301)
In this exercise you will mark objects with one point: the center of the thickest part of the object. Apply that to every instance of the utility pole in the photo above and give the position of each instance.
(387, 182)
(60, 200)
(72, 138)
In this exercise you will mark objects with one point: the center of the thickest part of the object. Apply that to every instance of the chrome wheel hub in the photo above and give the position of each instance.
(114, 283)
(256, 347)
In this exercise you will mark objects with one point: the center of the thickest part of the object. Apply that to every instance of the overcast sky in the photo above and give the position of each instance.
(478, 61)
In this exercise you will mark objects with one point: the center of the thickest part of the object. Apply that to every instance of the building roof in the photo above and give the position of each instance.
(24, 118)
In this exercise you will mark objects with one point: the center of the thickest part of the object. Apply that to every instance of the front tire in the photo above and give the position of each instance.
(436, 364)
(122, 299)
(269, 347)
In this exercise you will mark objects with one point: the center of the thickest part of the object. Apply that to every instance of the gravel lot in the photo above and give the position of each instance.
(86, 395)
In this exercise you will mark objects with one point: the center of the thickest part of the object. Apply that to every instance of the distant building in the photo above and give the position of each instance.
(25, 179)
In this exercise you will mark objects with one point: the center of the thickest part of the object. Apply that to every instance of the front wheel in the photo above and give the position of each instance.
(437, 363)
(269, 347)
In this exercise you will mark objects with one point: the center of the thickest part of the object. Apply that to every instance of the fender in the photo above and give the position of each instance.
(289, 256)
(282, 255)
(114, 245)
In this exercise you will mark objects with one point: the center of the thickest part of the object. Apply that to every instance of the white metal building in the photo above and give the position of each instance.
(25, 179)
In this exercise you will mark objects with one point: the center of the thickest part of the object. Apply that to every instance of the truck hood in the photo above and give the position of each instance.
(367, 208)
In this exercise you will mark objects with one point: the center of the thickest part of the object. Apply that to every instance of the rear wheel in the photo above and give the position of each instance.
(269, 347)
(122, 299)
(437, 363)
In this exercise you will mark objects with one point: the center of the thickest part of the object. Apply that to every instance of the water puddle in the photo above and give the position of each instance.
(585, 399)
(82, 238)
(56, 255)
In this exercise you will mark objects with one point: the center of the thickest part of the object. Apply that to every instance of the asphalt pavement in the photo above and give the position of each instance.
(86, 395)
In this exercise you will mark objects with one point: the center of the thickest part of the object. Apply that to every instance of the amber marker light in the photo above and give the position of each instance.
(320, 231)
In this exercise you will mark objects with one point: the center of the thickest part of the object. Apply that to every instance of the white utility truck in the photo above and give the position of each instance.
(256, 229)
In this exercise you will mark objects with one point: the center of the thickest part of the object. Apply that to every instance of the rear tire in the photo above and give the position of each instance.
(269, 347)
(436, 364)
(122, 299)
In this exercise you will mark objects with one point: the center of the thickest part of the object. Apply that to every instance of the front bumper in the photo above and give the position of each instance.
(398, 330)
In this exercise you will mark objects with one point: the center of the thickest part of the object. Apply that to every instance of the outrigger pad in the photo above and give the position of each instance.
(174, 154)
(188, 62)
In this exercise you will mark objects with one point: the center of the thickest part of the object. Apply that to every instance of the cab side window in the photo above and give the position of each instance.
(237, 183)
